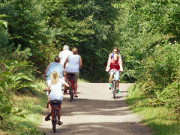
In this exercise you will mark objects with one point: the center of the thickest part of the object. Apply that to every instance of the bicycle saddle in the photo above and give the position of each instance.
(71, 74)
(55, 102)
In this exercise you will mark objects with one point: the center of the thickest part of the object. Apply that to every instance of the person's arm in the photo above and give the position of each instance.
(65, 62)
(46, 70)
(47, 89)
(64, 73)
(121, 68)
(120, 63)
(66, 84)
(108, 63)
(108, 67)
(80, 62)
(60, 55)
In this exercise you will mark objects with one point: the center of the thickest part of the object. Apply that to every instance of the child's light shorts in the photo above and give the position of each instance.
(116, 73)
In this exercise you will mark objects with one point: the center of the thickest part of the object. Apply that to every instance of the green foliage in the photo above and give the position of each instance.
(170, 96)
(4, 35)
(92, 26)
(86, 25)
(162, 67)
(42, 56)
(15, 74)
(2, 22)
(146, 32)
(162, 119)
(140, 26)
(11, 80)
(160, 77)
(25, 20)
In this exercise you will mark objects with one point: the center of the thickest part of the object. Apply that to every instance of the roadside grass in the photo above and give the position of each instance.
(31, 104)
(161, 120)
(82, 80)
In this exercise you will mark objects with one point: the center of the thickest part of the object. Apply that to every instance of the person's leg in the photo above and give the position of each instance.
(49, 114)
(47, 93)
(117, 84)
(75, 78)
(59, 116)
(49, 109)
(117, 80)
(110, 78)
(48, 104)
(75, 89)
(65, 88)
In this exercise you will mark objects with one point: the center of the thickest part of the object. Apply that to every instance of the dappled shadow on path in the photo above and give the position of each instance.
(104, 128)
(95, 112)
(94, 107)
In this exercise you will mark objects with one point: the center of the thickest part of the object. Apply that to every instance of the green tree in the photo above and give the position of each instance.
(86, 25)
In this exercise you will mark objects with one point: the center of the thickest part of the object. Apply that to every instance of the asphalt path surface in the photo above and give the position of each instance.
(95, 112)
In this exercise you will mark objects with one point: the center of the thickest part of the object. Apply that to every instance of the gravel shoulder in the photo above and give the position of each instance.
(95, 112)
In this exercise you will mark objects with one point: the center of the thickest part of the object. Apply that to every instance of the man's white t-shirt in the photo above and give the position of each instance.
(56, 90)
(63, 55)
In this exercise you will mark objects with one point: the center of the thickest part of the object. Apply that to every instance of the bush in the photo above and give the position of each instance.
(160, 78)
(15, 73)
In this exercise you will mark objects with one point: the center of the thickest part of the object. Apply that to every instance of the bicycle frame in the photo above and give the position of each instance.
(54, 113)
(71, 91)
(114, 86)
(71, 84)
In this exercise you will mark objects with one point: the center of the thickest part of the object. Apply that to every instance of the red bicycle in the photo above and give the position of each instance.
(55, 106)
(55, 113)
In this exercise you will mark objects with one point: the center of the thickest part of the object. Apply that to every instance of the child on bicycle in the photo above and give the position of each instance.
(55, 86)
(113, 67)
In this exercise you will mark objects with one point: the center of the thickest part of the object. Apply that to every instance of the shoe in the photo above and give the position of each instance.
(65, 92)
(110, 85)
(47, 117)
(59, 123)
(118, 91)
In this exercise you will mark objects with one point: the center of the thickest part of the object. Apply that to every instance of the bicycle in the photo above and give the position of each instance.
(71, 86)
(114, 85)
(54, 113)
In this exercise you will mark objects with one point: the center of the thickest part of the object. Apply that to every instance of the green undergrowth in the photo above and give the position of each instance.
(162, 120)
(30, 104)
(82, 80)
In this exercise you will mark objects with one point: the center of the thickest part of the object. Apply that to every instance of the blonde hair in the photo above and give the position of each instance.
(116, 56)
(54, 77)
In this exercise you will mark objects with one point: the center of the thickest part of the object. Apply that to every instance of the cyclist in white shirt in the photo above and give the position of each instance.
(55, 85)
(64, 54)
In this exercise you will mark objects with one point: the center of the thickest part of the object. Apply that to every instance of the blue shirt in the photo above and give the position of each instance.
(54, 66)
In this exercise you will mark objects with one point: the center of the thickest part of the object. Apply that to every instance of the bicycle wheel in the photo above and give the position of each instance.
(71, 93)
(114, 89)
(54, 125)
(54, 121)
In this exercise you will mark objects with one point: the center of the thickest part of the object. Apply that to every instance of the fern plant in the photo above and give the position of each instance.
(11, 80)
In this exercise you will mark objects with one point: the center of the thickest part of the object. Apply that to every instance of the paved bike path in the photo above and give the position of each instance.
(95, 112)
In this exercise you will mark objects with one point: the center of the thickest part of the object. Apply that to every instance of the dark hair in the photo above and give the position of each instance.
(115, 48)
(57, 59)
